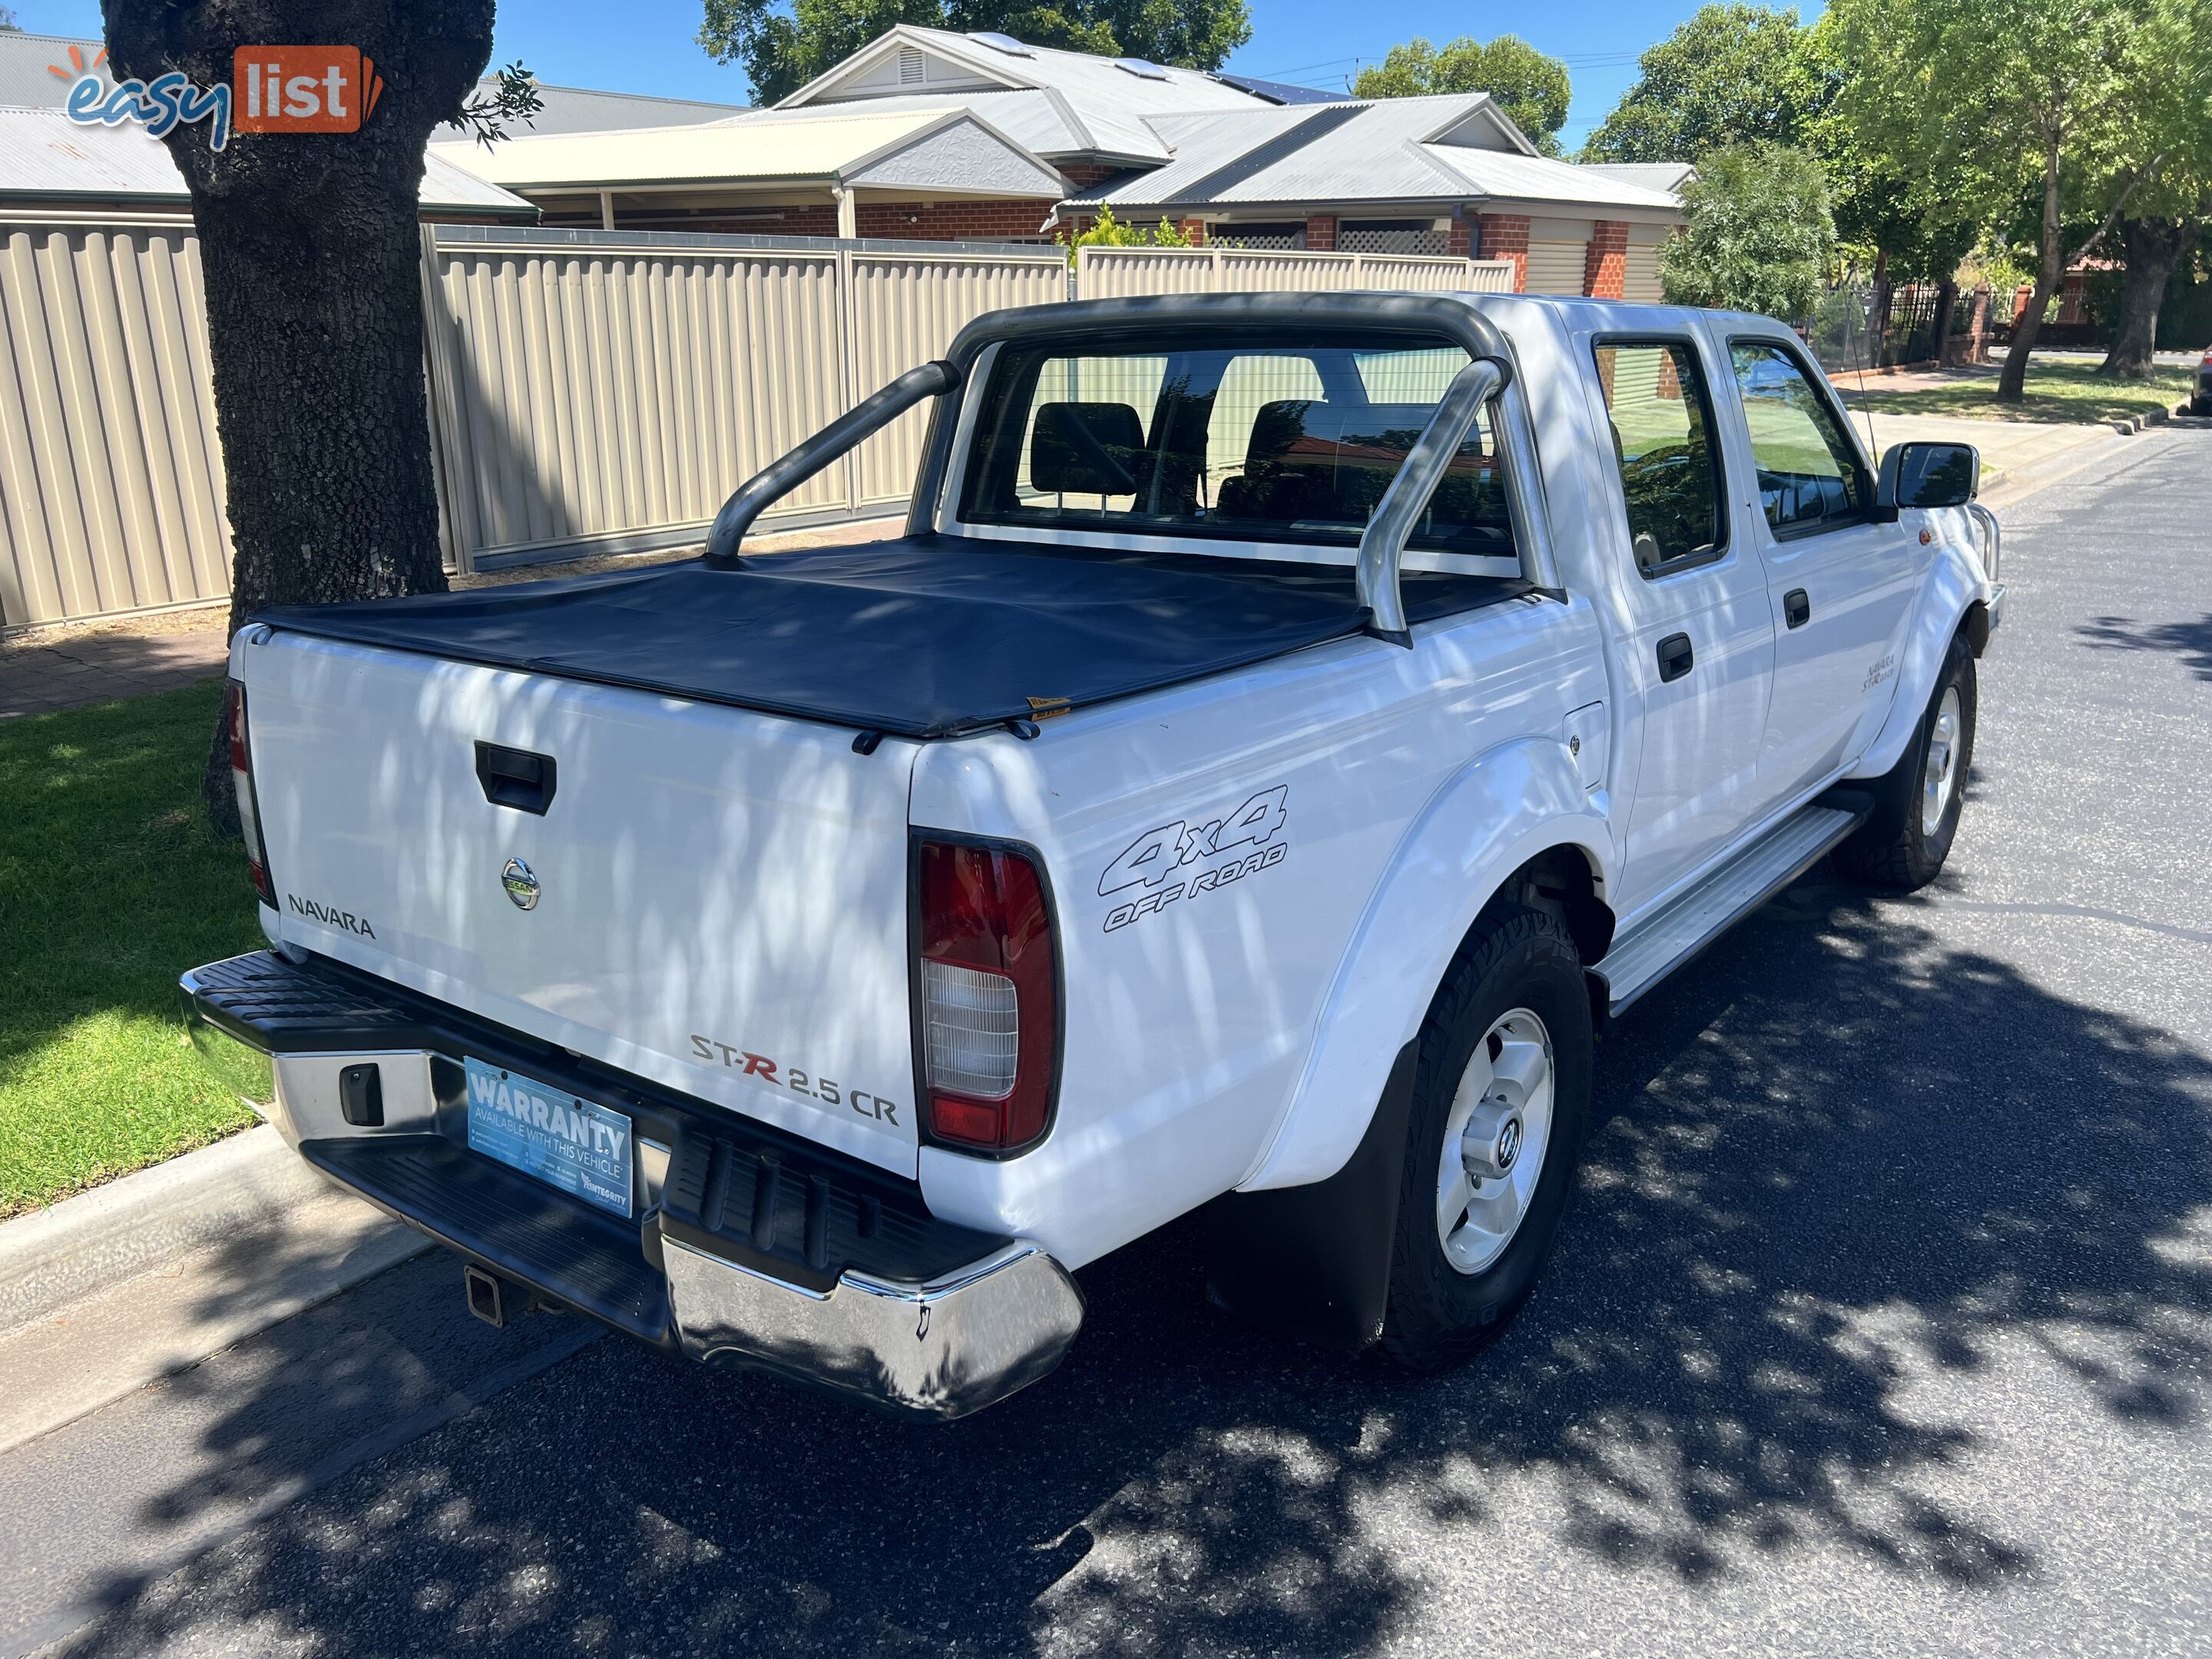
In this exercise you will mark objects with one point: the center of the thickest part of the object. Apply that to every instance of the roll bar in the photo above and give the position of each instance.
(842, 435)
(1382, 544)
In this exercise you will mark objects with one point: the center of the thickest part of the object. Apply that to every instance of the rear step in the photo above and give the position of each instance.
(1672, 935)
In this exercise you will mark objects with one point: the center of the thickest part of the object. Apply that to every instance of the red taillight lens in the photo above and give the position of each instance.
(990, 1001)
(241, 780)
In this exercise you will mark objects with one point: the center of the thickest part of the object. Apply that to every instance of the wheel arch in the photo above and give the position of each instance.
(1515, 822)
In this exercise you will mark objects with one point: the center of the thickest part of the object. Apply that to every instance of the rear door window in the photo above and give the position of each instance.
(1662, 428)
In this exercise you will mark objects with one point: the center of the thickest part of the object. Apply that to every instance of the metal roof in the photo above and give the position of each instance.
(1391, 151)
(814, 145)
(45, 156)
(1666, 177)
(1100, 104)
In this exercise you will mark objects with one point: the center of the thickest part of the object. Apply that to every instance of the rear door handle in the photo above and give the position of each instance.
(1796, 607)
(1675, 656)
(515, 777)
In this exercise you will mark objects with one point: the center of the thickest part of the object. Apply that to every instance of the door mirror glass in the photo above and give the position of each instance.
(1930, 475)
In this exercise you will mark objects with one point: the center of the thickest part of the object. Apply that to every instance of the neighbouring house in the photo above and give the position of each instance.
(933, 135)
(49, 164)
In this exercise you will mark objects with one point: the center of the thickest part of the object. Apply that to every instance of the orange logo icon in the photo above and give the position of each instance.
(302, 88)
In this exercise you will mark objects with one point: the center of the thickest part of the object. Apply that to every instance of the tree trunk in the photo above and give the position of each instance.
(310, 248)
(1947, 302)
(2155, 247)
(1878, 323)
(2012, 383)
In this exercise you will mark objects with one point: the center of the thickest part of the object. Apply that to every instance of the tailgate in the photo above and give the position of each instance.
(717, 900)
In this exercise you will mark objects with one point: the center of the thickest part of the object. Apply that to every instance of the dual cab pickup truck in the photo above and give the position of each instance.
(1287, 727)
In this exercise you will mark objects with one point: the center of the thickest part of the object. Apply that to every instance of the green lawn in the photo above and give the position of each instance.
(110, 887)
(2055, 391)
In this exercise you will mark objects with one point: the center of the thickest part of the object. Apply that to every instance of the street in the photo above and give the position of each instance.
(1881, 1325)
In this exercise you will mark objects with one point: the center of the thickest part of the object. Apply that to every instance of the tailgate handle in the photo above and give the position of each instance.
(515, 777)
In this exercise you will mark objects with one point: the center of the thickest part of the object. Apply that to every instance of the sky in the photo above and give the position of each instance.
(648, 45)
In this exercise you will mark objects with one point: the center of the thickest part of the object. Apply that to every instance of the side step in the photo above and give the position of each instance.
(1691, 921)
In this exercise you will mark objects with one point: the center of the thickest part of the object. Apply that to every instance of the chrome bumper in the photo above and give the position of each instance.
(940, 1348)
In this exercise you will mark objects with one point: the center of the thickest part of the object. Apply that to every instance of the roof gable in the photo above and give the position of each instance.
(907, 61)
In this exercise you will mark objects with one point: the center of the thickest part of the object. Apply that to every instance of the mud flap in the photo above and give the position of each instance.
(1313, 1262)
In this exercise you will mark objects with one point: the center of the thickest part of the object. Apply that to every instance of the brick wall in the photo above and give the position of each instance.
(1605, 267)
(949, 221)
(1505, 236)
(1195, 229)
(1320, 235)
(1082, 175)
(1462, 238)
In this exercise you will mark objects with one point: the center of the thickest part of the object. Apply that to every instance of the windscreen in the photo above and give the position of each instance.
(1270, 443)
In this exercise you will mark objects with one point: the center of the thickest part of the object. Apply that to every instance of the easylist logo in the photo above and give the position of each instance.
(302, 88)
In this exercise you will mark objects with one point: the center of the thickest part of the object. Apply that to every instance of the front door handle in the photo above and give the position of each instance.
(1675, 656)
(1796, 607)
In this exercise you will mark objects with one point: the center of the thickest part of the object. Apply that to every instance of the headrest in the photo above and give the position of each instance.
(1086, 449)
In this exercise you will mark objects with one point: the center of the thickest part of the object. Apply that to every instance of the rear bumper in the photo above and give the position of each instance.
(747, 1247)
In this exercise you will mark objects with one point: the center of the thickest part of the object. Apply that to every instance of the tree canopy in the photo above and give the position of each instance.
(1759, 237)
(781, 44)
(1731, 75)
(1530, 87)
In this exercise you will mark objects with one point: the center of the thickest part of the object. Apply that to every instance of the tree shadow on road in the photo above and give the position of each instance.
(1836, 1160)
(2189, 641)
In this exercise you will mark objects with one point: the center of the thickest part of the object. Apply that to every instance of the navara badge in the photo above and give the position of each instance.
(522, 884)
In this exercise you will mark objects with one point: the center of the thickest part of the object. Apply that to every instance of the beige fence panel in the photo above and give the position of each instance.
(1104, 273)
(612, 395)
(111, 475)
(905, 309)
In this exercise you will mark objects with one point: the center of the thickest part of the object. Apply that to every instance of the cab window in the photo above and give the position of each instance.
(1663, 440)
(1810, 476)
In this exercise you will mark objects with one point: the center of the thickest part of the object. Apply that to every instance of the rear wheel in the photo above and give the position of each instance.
(1904, 841)
(1501, 1092)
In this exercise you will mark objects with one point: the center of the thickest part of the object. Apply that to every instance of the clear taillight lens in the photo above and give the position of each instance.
(241, 780)
(989, 1012)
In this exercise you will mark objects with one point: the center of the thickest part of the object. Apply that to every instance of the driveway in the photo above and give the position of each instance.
(1881, 1325)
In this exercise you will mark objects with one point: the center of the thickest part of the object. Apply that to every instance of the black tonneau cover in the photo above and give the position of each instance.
(924, 637)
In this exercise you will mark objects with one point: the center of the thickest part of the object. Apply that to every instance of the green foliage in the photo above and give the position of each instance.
(1761, 234)
(1107, 231)
(514, 97)
(1531, 87)
(1732, 75)
(109, 886)
(784, 44)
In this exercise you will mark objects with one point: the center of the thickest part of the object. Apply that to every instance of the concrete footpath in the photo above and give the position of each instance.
(108, 1291)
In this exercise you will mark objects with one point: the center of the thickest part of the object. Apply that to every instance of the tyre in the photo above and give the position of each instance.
(1905, 839)
(2201, 403)
(1501, 1094)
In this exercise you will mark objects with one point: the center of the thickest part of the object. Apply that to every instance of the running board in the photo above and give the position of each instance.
(1688, 923)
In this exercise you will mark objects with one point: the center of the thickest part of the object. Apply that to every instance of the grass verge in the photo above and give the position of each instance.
(2055, 391)
(109, 886)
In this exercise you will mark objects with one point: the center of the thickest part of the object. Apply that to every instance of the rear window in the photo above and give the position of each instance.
(1272, 443)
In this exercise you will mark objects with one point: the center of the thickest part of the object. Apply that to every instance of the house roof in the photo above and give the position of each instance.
(1666, 177)
(945, 146)
(45, 156)
(1451, 148)
(1062, 104)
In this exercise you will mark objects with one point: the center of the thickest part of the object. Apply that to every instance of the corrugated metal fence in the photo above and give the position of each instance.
(1109, 273)
(590, 390)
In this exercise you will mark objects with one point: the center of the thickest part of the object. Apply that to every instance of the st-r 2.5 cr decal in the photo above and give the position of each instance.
(1231, 848)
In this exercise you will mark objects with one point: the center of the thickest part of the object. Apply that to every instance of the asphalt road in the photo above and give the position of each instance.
(1880, 1326)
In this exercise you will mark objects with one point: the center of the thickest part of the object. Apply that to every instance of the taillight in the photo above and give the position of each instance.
(990, 1000)
(241, 781)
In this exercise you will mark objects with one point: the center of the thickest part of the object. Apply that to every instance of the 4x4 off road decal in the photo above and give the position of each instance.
(1243, 843)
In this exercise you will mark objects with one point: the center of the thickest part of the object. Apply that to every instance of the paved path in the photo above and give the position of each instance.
(63, 670)
(1881, 1325)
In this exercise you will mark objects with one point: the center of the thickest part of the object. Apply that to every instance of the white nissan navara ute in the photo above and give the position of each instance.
(1288, 726)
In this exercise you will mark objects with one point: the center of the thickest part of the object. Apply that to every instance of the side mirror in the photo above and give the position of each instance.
(1926, 474)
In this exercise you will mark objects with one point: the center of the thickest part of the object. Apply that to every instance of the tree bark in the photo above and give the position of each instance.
(2050, 271)
(1878, 323)
(310, 247)
(1947, 302)
(2155, 247)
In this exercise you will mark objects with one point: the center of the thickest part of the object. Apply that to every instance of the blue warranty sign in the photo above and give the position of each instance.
(572, 1144)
